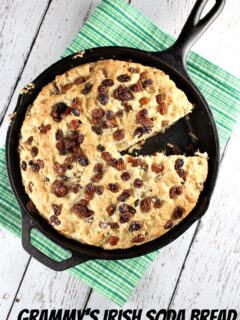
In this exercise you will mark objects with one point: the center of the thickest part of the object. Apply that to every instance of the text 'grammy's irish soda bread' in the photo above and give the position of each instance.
(71, 164)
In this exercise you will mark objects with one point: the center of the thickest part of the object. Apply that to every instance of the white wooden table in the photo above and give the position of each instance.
(202, 268)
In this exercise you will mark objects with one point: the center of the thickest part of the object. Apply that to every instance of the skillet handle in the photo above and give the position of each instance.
(27, 226)
(191, 32)
(195, 26)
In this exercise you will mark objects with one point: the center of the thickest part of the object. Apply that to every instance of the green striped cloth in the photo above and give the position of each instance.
(115, 22)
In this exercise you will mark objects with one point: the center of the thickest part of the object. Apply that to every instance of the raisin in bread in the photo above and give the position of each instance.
(71, 164)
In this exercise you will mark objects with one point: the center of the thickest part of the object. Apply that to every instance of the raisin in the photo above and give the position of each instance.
(178, 163)
(29, 140)
(145, 204)
(159, 98)
(147, 83)
(82, 210)
(113, 162)
(119, 114)
(103, 98)
(140, 131)
(123, 93)
(98, 113)
(100, 148)
(74, 188)
(111, 121)
(107, 82)
(83, 161)
(59, 168)
(127, 107)
(157, 168)
(175, 191)
(144, 100)
(125, 176)
(106, 156)
(59, 188)
(162, 108)
(54, 220)
(134, 226)
(34, 166)
(182, 173)
(102, 89)
(136, 203)
(34, 151)
(45, 129)
(158, 204)
(88, 196)
(87, 88)
(59, 134)
(125, 217)
(143, 74)
(118, 134)
(124, 195)
(123, 78)
(120, 165)
(114, 225)
(90, 188)
(79, 80)
(135, 162)
(177, 212)
(111, 209)
(141, 115)
(74, 124)
(124, 208)
(40, 163)
(103, 224)
(31, 207)
(68, 161)
(57, 110)
(139, 238)
(113, 240)
(138, 183)
(97, 177)
(24, 165)
(164, 123)
(113, 187)
(66, 87)
(168, 224)
(137, 87)
(56, 209)
(99, 190)
(75, 112)
(97, 130)
(75, 104)
(133, 69)
(80, 138)
(98, 168)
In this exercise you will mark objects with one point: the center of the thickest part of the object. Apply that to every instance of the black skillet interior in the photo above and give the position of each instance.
(201, 123)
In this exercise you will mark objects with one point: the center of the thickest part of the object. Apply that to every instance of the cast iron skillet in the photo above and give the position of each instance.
(172, 61)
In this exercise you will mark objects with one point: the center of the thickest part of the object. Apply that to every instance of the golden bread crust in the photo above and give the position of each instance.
(62, 140)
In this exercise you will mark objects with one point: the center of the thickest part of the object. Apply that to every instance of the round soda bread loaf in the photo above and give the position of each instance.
(71, 164)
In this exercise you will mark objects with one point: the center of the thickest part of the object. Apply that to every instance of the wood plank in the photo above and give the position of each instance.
(43, 288)
(19, 22)
(40, 287)
(63, 20)
(211, 274)
(13, 261)
(156, 286)
(218, 44)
